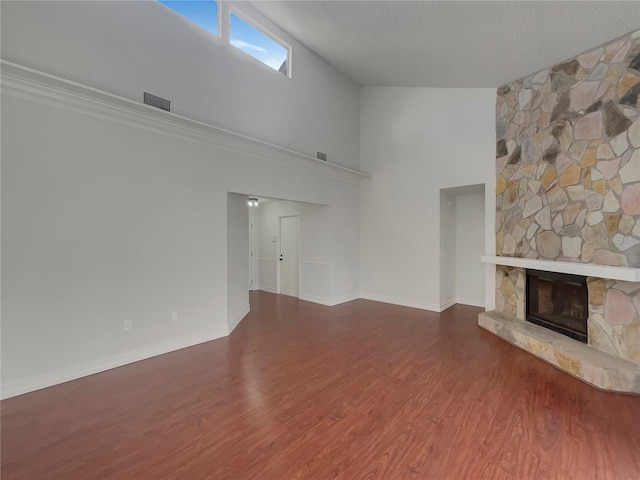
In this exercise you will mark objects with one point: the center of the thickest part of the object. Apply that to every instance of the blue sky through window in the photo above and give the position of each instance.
(202, 12)
(252, 41)
(243, 35)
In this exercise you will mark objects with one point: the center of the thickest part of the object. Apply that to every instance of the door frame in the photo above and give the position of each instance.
(252, 258)
(278, 236)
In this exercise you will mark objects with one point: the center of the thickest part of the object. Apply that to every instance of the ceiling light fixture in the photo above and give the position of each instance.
(253, 202)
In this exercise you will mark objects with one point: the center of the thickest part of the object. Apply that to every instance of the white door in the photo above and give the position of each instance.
(289, 259)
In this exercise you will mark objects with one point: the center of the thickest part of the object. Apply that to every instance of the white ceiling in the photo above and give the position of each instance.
(449, 43)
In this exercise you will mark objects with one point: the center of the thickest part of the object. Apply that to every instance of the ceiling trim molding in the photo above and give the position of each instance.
(32, 85)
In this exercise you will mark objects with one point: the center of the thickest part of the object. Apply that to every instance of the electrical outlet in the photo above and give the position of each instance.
(174, 316)
(128, 325)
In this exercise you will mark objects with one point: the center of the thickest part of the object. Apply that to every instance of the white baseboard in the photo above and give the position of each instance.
(447, 304)
(423, 305)
(72, 373)
(329, 302)
(314, 299)
(344, 299)
(239, 318)
(474, 302)
(401, 301)
(267, 289)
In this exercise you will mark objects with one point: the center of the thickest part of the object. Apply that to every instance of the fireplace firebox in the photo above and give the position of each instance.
(559, 302)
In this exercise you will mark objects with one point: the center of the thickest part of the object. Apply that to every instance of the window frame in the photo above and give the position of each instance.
(224, 10)
(276, 38)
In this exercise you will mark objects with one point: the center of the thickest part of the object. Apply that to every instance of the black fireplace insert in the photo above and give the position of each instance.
(558, 301)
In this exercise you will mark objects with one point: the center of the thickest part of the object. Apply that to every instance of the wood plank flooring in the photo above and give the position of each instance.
(363, 390)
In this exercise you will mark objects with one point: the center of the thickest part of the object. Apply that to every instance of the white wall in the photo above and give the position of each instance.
(130, 47)
(316, 238)
(469, 247)
(238, 281)
(414, 142)
(106, 219)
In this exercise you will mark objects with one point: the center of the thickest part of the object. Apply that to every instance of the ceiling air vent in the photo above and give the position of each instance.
(157, 102)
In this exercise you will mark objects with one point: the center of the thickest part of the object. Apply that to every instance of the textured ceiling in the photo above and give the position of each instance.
(450, 43)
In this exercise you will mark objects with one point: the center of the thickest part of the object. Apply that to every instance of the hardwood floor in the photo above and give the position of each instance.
(363, 390)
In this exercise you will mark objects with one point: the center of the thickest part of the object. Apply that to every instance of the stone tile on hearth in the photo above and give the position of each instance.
(593, 366)
(631, 338)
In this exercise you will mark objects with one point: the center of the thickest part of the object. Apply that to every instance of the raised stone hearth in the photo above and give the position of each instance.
(597, 368)
(611, 358)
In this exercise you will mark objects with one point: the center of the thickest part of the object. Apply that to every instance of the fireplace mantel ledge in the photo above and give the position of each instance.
(587, 269)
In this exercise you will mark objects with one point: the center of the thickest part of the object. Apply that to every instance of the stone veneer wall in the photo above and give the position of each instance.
(568, 159)
(614, 317)
(614, 310)
(510, 291)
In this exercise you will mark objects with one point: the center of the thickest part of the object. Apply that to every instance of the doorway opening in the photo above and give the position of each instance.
(462, 243)
(291, 248)
(278, 246)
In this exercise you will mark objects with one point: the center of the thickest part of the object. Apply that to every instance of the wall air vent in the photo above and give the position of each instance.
(157, 102)
(322, 156)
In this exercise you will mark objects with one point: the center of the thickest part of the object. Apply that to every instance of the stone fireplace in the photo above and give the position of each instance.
(568, 215)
